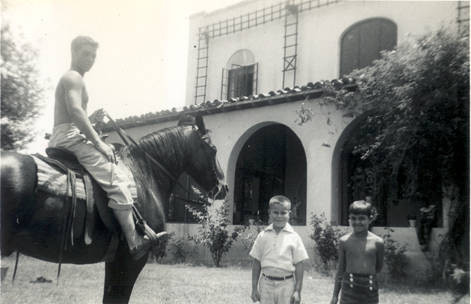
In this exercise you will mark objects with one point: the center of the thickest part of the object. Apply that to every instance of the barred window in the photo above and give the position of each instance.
(175, 209)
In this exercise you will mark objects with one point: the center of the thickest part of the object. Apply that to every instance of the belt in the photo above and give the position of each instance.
(278, 278)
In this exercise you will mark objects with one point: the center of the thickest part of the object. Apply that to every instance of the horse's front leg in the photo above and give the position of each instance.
(120, 275)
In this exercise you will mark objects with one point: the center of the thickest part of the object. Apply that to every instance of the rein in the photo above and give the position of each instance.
(129, 141)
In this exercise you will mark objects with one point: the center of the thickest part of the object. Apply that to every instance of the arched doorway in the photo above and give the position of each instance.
(272, 161)
(356, 177)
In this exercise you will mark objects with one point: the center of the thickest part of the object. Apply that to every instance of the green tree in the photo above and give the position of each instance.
(414, 135)
(21, 92)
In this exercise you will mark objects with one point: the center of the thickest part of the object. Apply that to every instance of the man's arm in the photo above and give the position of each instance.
(379, 255)
(256, 268)
(73, 87)
(340, 272)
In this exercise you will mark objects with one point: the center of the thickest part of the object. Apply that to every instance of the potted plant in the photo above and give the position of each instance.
(412, 220)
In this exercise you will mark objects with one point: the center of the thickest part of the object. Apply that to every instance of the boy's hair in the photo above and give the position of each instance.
(279, 200)
(82, 40)
(362, 207)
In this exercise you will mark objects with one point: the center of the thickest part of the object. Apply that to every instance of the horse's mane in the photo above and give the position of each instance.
(167, 146)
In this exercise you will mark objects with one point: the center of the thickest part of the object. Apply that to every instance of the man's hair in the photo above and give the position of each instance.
(362, 207)
(80, 41)
(279, 200)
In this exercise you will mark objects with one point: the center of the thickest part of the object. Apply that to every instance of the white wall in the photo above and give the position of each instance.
(319, 31)
(230, 130)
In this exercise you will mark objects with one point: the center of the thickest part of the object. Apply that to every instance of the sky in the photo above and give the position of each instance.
(141, 60)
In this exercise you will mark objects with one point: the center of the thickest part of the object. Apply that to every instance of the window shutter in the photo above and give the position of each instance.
(241, 81)
(224, 79)
(362, 43)
(255, 79)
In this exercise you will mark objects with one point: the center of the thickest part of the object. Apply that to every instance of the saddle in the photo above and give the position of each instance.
(86, 199)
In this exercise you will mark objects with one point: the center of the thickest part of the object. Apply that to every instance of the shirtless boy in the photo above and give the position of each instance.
(360, 259)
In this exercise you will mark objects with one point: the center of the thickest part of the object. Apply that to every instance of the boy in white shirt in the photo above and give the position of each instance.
(278, 252)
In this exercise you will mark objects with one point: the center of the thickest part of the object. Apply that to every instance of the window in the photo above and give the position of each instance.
(363, 42)
(239, 77)
(175, 210)
(241, 81)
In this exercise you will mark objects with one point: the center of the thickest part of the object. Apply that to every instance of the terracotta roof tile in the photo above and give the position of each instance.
(311, 90)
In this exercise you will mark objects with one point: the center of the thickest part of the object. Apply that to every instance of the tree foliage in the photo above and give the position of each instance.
(21, 93)
(413, 105)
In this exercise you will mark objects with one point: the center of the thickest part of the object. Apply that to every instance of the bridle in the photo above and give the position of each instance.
(130, 142)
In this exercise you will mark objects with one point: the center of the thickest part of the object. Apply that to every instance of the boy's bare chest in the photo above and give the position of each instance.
(361, 248)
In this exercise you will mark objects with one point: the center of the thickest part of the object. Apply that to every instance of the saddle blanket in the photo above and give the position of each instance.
(53, 181)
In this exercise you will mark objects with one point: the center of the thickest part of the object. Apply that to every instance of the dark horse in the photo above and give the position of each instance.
(31, 220)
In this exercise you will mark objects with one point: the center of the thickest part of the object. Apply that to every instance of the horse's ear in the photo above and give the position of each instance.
(200, 124)
(186, 120)
(190, 120)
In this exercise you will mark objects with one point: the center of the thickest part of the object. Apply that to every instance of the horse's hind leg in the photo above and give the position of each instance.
(120, 275)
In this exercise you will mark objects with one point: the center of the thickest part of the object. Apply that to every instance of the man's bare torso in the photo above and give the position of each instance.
(61, 112)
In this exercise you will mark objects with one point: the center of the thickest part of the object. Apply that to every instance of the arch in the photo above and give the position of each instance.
(362, 43)
(339, 168)
(354, 178)
(240, 58)
(268, 159)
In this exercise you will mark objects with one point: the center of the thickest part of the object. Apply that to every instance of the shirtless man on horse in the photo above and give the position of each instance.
(73, 131)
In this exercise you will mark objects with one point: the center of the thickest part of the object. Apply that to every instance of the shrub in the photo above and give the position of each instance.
(180, 249)
(213, 232)
(326, 238)
(248, 234)
(394, 257)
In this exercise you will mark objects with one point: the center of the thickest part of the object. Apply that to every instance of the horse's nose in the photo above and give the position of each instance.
(222, 192)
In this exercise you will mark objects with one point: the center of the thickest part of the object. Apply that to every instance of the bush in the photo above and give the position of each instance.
(213, 232)
(248, 234)
(394, 257)
(181, 249)
(326, 238)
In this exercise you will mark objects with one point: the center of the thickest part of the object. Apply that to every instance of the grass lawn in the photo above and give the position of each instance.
(171, 284)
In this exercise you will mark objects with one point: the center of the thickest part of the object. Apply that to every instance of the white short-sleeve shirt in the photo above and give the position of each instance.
(282, 250)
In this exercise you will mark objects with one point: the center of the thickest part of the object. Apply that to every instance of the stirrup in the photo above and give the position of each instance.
(153, 237)
(148, 241)
(138, 252)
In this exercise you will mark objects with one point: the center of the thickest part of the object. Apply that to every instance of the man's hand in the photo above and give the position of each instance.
(255, 295)
(295, 298)
(97, 116)
(107, 150)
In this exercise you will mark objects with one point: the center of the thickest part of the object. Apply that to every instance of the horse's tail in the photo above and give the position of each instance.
(18, 180)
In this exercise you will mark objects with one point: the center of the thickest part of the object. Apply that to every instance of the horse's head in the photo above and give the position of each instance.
(203, 165)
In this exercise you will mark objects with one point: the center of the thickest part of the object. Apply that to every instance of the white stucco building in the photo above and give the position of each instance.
(239, 60)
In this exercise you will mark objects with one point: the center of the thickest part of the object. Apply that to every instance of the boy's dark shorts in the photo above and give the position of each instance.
(359, 289)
